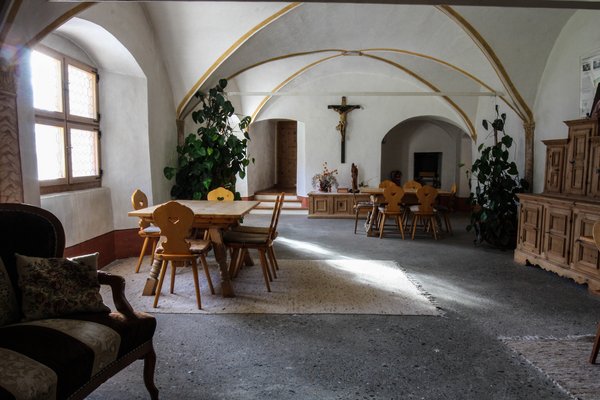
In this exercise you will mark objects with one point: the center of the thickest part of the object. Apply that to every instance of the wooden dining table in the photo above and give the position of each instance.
(214, 216)
(410, 197)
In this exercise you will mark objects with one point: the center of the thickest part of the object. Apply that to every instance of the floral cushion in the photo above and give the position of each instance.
(53, 287)
(9, 309)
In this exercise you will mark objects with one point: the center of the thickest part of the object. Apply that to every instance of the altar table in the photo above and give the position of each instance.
(215, 216)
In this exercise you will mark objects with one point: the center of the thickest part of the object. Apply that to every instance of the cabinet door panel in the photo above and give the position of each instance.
(594, 172)
(530, 227)
(554, 168)
(557, 229)
(577, 159)
(585, 252)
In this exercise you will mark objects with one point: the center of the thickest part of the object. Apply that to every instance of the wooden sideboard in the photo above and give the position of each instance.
(555, 228)
(333, 205)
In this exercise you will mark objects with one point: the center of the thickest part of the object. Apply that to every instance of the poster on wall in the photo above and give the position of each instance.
(590, 77)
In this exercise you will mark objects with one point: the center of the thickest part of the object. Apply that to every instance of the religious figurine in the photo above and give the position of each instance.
(354, 171)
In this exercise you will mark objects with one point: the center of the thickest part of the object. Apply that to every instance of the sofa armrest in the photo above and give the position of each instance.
(117, 286)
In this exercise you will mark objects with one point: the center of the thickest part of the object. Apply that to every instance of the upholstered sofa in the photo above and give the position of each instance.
(51, 347)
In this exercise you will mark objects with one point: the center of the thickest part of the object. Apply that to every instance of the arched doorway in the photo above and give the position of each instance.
(427, 149)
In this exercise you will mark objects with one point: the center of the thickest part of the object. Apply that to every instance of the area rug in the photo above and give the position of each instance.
(302, 287)
(564, 361)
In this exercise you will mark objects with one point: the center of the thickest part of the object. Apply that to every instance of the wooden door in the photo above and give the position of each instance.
(557, 233)
(530, 226)
(286, 154)
(594, 172)
(585, 253)
(555, 158)
(577, 157)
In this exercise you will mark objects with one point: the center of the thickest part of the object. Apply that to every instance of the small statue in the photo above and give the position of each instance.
(354, 171)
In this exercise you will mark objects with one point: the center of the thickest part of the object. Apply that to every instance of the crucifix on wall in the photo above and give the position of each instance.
(343, 109)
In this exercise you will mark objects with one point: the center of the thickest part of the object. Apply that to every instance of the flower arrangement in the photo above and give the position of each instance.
(325, 180)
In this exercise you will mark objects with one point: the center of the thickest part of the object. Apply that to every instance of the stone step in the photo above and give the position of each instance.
(286, 204)
(289, 211)
(273, 196)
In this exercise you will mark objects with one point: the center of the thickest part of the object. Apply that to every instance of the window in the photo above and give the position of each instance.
(67, 135)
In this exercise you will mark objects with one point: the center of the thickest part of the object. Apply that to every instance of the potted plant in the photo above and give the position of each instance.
(494, 216)
(325, 180)
(213, 156)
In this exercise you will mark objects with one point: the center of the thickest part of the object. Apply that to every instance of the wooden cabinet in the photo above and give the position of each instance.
(555, 228)
(580, 132)
(555, 164)
(333, 205)
(530, 223)
(594, 168)
(556, 234)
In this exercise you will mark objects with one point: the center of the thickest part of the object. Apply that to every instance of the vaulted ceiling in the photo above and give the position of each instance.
(269, 48)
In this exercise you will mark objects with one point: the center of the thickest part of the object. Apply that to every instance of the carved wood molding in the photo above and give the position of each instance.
(11, 179)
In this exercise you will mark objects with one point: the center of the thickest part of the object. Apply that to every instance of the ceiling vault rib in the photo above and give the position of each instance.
(368, 94)
(52, 26)
(489, 53)
(289, 79)
(461, 112)
(183, 109)
(10, 18)
(431, 86)
(383, 49)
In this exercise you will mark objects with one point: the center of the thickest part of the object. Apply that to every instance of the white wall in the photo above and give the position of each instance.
(365, 130)
(418, 135)
(139, 132)
(262, 174)
(558, 94)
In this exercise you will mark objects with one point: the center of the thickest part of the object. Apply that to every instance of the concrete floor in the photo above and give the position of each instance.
(484, 294)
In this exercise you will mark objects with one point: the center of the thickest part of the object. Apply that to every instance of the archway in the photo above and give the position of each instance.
(423, 145)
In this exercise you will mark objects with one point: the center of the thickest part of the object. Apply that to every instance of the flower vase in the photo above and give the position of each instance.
(324, 186)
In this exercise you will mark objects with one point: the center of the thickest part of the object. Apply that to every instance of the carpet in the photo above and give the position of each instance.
(564, 361)
(302, 287)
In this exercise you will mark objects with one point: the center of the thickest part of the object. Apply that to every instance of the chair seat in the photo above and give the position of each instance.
(415, 210)
(196, 247)
(261, 230)
(244, 238)
(150, 231)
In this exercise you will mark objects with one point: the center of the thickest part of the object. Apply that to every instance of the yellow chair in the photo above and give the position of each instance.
(393, 196)
(147, 231)
(411, 185)
(220, 194)
(444, 210)
(241, 242)
(175, 222)
(264, 230)
(424, 212)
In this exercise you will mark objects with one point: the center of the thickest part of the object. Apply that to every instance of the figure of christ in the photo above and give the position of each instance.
(343, 110)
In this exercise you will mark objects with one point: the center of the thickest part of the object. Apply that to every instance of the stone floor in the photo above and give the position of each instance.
(484, 294)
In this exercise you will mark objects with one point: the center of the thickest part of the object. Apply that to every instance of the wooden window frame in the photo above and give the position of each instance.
(67, 121)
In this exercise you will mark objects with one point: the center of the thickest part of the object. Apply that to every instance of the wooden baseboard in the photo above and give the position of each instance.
(111, 246)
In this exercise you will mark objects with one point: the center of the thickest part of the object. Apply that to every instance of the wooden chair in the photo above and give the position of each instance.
(358, 206)
(444, 210)
(596, 347)
(147, 231)
(424, 211)
(414, 185)
(220, 194)
(264, 230)
(241, 242)
(175, 222)
(393, 196)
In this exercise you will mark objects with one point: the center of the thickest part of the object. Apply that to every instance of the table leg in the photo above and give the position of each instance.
(152, 280)
(221, 256)
(372, 219)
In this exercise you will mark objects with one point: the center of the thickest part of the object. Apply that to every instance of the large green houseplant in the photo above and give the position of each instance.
(494, 216)
(213, 156)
